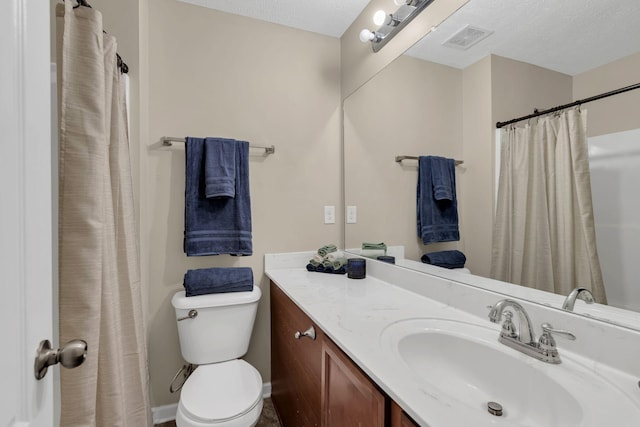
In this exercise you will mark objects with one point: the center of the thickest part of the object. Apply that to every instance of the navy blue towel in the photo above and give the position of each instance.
(220, 167)
(446, 259)
(322, 269)
(437, 203)
(218, 280)
(214, 226)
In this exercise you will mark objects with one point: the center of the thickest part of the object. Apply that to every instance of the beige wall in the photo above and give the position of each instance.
(518, 88)
(412, 107)
(476, 198)
(215, 74)
(617, 113)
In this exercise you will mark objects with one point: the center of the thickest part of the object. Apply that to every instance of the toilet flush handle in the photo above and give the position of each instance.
(310, 333)
(191, 315)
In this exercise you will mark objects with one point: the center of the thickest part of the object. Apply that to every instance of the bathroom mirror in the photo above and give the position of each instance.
(445, 101)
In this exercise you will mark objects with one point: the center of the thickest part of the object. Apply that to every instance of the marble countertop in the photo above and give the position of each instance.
(354, 314)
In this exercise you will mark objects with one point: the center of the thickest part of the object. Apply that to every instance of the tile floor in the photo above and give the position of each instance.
(268, 418)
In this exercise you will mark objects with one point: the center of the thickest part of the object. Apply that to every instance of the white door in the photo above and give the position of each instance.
(25, 212)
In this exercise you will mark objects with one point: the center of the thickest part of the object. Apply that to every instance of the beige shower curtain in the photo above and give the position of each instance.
(99, 288)
(544, 233)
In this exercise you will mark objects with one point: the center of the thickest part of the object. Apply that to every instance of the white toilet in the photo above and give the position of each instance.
(223, 391)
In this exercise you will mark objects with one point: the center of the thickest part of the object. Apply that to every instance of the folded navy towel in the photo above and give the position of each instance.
(218, 280)
(437, 204)
(219, 167)
(341, 270)
(214, 226)
(446, 259)
(322, 269)
(442, 180)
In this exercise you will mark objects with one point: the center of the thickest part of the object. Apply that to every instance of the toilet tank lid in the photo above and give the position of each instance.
(181, 301)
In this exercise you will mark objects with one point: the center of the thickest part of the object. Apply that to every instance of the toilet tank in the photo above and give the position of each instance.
(222, 328)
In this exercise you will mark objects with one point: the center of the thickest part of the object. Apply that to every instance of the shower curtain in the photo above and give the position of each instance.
(544, 233)
(99, 278)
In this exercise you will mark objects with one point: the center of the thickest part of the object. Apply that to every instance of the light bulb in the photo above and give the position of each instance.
(366, 36)
(379, 17)
(400, 2)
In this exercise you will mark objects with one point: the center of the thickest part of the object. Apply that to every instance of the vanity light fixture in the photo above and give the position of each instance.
(390, 24)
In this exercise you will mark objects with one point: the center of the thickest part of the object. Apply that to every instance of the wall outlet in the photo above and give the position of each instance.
(329, 214)
(351, 215)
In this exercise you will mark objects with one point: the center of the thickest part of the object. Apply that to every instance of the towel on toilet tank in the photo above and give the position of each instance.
(218, 280)
(446, 259)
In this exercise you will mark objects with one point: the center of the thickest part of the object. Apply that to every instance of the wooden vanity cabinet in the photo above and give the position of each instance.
(314, 383)
(296, 364)
(349, 397)
(399, 418)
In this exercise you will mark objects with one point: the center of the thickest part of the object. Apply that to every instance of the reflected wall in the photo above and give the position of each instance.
(412, 107)
(415, 107)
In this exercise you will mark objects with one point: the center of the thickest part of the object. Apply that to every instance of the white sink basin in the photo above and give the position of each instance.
(464, 366)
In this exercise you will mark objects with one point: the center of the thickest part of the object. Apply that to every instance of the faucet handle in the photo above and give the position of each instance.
(547, 344)
(547, 329)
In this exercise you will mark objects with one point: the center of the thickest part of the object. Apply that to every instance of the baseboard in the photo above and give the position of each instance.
(162, 414)
(266, 390)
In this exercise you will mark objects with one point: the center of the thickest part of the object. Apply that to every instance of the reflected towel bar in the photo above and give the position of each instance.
(169, 140)
(401, 158)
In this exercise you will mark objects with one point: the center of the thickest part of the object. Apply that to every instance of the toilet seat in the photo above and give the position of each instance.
(219, 393)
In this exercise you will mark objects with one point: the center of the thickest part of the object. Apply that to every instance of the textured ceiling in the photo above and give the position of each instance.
(569, 36)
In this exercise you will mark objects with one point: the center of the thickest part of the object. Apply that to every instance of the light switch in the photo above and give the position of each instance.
(351, 214)
(329, 214)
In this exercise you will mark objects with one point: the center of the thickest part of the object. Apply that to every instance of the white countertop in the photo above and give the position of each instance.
(354, 313)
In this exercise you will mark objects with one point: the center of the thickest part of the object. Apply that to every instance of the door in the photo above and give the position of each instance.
(25, 212)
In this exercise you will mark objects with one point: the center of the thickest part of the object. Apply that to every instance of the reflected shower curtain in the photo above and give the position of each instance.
(99, 278)
(544, 233)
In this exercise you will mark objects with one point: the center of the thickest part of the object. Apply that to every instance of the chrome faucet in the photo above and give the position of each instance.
(526, 332)
(583, 293)
(523, 338)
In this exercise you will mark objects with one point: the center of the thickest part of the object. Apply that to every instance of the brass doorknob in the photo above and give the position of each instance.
(70, 355)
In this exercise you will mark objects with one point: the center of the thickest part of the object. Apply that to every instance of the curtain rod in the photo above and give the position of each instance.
(169, 140)
(401, 158)
(537, 113)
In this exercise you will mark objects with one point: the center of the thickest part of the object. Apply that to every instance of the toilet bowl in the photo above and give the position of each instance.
(224, 390)
(227, 394)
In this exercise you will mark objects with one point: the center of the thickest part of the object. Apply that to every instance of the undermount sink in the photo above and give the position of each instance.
(465, 367)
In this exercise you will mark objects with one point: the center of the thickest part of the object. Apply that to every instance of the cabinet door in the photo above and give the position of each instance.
(349, 397)
(296, 364)
(399, 418)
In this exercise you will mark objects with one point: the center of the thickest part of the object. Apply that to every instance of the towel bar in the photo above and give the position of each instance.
(169, 140)
(401, 158)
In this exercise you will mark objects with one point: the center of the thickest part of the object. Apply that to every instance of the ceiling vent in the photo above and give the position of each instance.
(467, 37)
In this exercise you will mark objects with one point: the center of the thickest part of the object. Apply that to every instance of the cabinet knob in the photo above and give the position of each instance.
(310, 333)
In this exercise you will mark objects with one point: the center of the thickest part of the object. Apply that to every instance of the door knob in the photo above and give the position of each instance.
(70, 355)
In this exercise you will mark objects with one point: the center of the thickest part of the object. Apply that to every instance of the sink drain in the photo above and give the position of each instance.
(494, 408)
